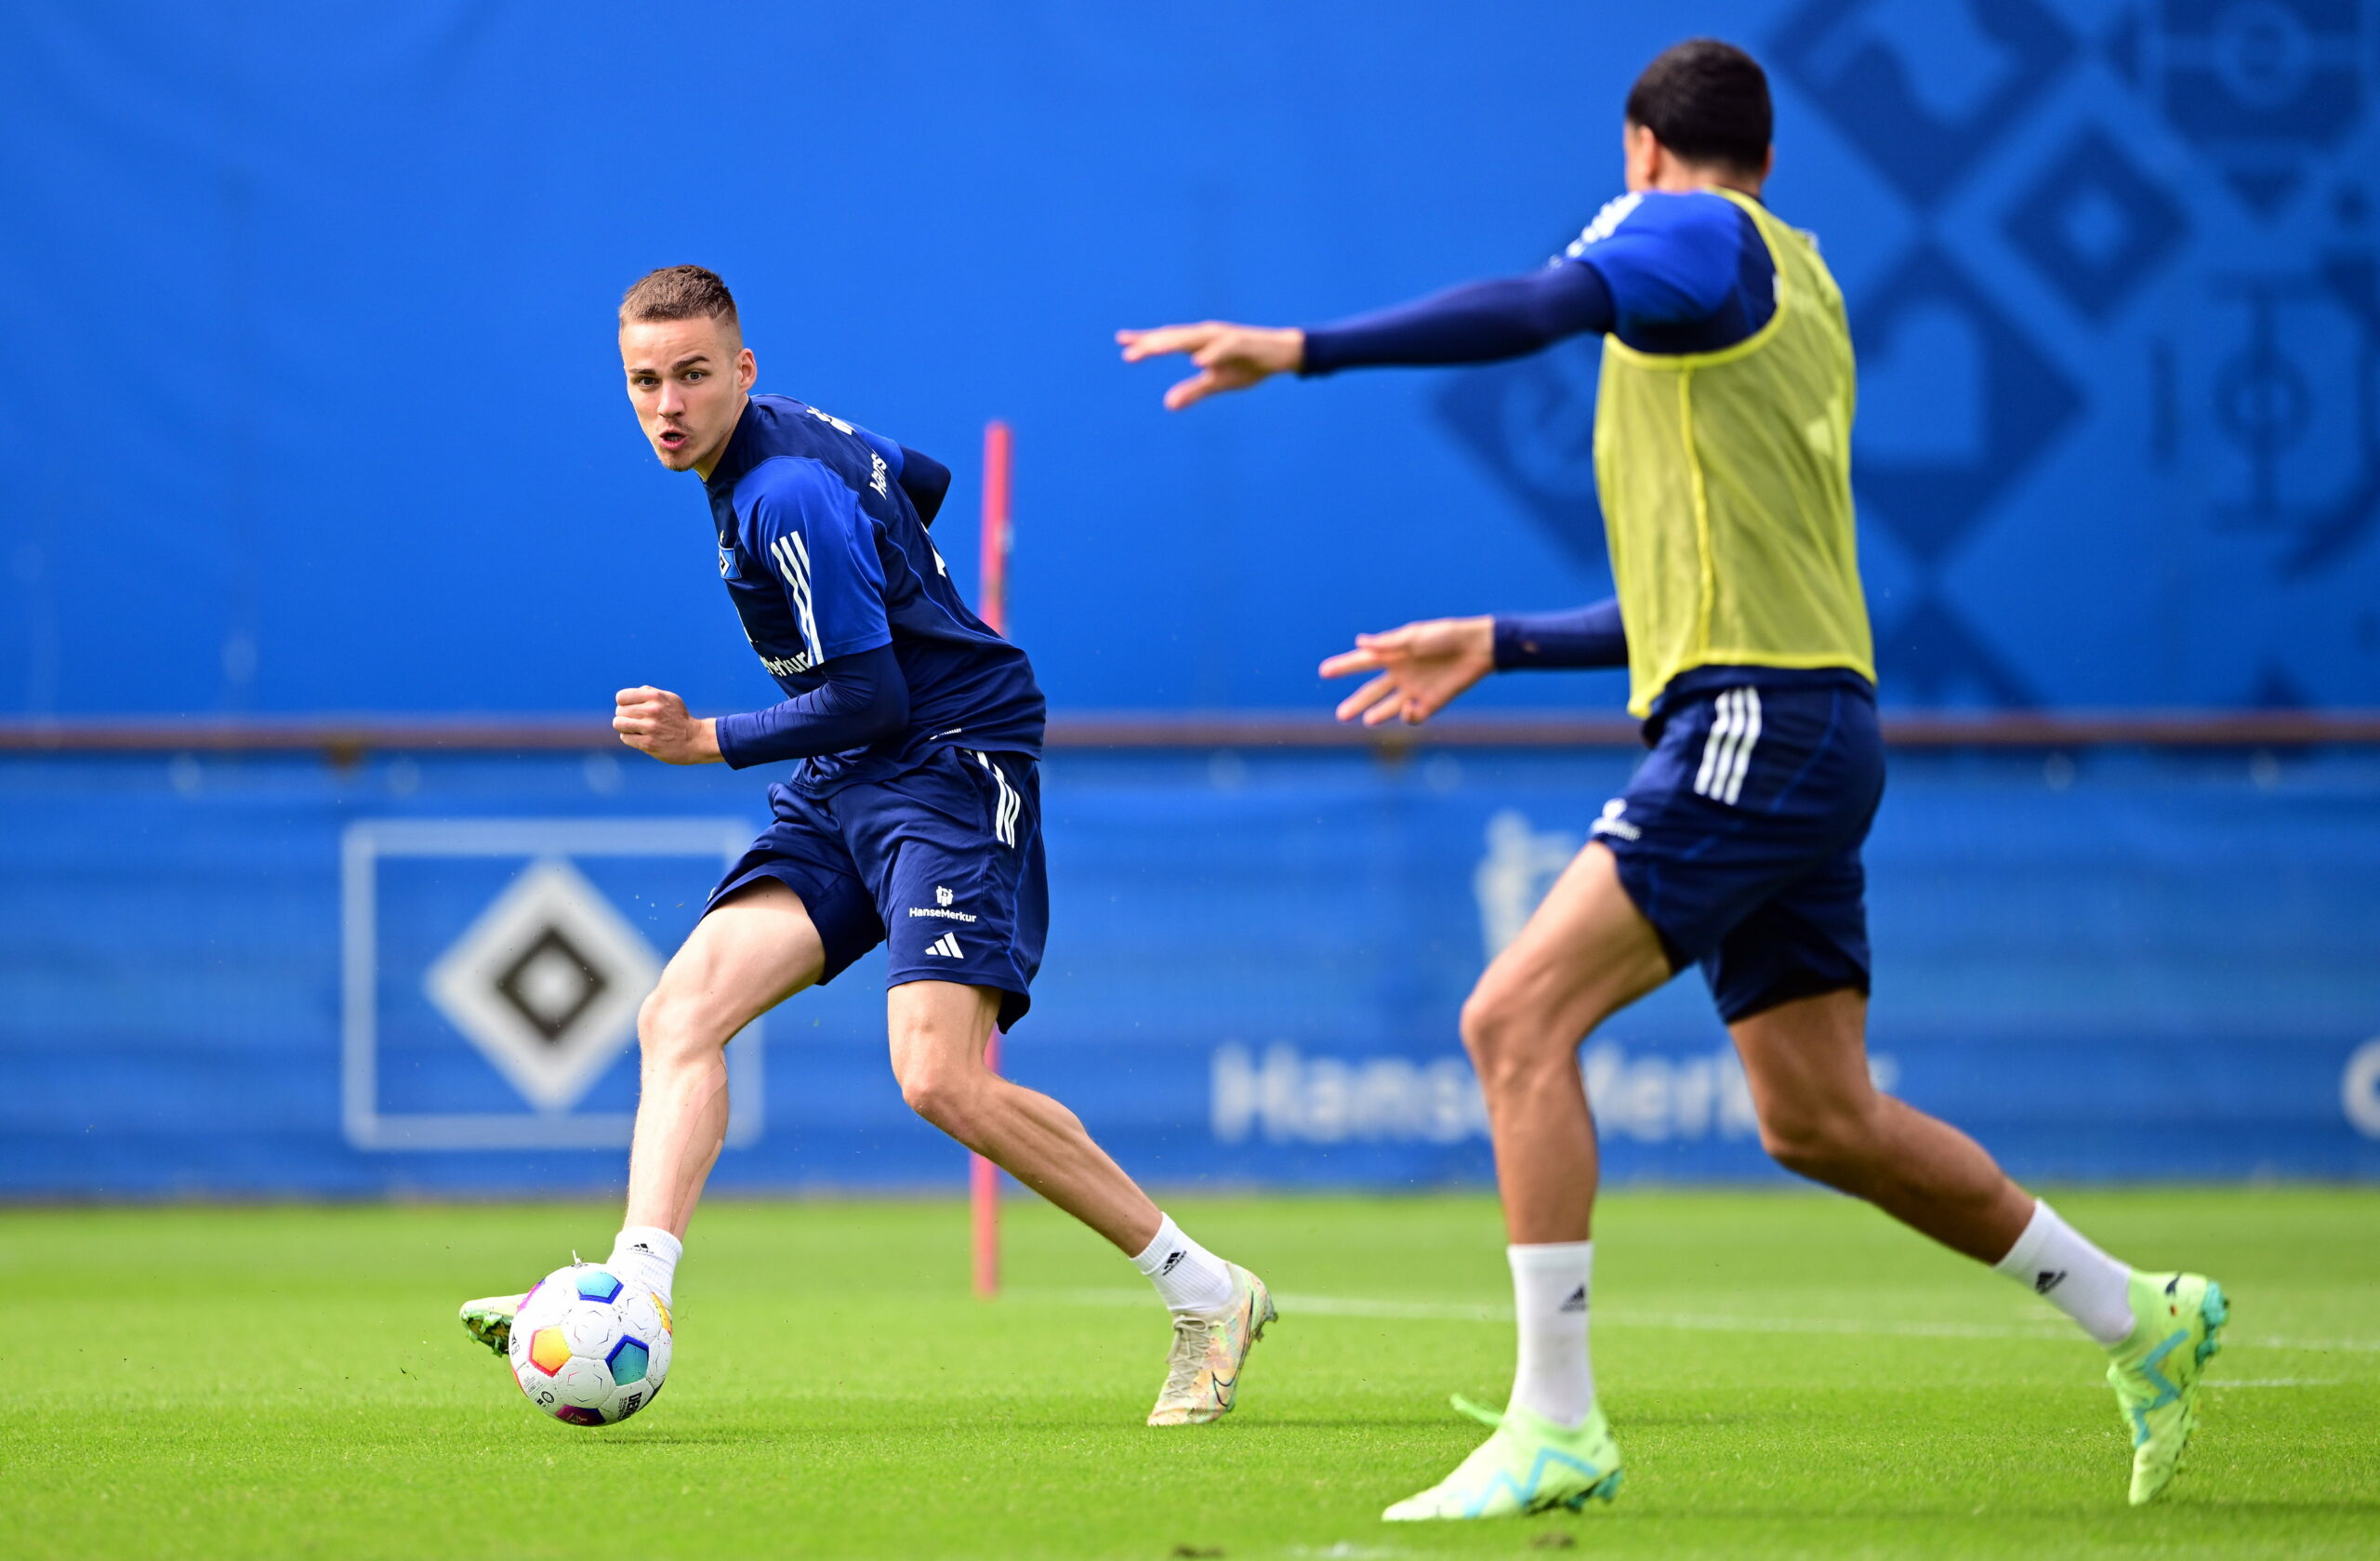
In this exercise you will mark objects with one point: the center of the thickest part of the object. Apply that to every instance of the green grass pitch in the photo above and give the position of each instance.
(291, 1382)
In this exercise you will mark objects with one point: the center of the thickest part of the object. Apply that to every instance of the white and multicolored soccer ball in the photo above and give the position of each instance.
(587, 1348)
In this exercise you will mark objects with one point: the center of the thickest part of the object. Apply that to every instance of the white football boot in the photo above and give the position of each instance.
(1202, 1374)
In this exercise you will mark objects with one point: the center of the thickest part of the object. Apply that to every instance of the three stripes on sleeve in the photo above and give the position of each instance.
(793, 563)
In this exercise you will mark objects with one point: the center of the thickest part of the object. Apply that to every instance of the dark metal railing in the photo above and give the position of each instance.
(348, 738)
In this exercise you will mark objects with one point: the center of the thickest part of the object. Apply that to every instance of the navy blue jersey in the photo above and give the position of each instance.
(824, 556)
(1687, 272)
(1666, 273)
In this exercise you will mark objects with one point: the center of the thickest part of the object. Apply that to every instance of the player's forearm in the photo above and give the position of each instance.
(1576, 637)
(864, 700)
(1481, 322)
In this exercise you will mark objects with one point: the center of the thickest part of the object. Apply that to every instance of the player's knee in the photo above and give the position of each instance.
(946, 1095)
(1502, 1035)
(1831, 1146)
(1485, 1027)
(671, 1027)
(1803, 1156)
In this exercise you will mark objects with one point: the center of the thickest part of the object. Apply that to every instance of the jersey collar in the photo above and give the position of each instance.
(736, 458)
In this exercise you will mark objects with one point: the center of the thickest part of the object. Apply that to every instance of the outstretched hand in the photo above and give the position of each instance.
(655, 720)
(1229, 357)
(1421, 667)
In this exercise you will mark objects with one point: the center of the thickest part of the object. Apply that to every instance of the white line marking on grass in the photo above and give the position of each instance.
(1713, 1323)
(1397, 1311)
(1694, 1322)
(1701, 1322)
(1307, 1305)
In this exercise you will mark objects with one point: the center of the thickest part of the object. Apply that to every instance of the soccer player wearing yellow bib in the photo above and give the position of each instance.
(1722, 458)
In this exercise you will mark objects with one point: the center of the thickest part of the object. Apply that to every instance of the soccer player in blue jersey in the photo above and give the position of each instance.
(1723, 461)
(910, 816)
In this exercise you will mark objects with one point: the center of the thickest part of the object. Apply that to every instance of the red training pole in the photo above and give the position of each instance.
(991, 605)
(992, 598)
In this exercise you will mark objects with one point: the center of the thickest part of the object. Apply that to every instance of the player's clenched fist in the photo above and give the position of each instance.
(655, 720)
(1421, 667)
(1229, 357)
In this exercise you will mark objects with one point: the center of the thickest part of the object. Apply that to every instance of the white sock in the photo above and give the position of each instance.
(2053, 1260)
(647, 1255)
(1189, 1277)
(1551, 1282)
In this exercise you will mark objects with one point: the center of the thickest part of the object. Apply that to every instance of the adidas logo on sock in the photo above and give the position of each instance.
(1170, 1259)
(946, 945)
(1577, 1301)
(2047, 1280)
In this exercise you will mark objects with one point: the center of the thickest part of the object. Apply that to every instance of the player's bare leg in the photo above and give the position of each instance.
(1582, 957)
(1822, 1117)
(1820, 1114)
(1584, 954)
(747, 955)
(939, 1031)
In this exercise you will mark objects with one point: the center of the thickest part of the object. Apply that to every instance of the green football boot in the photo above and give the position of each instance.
(2176, 1320)
(1529, 1465)
(489, 1319)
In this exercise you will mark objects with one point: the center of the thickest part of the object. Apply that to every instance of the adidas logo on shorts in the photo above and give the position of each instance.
(946, 945)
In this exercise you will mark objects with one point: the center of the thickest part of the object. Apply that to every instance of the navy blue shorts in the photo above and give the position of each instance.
(1739, 838)
(942, 863)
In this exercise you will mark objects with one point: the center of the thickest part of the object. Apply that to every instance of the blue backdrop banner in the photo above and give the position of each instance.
(350, 435)
(265, 976)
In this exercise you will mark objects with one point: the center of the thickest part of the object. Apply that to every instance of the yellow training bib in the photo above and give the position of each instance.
(1726, 480)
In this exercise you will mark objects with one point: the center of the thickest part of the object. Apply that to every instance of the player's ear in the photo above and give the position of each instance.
(747, 369)
(1638, 152)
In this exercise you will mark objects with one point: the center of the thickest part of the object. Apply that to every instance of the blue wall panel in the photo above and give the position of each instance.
(328, 418)
(323, 415)
(2118, 967)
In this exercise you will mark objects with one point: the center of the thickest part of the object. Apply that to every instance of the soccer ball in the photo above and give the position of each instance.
(588, 1349)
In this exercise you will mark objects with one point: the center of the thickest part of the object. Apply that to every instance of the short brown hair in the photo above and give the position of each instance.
(1708, 102)
(678, 293)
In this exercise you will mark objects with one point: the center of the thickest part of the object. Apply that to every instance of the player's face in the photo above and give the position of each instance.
(687, 379)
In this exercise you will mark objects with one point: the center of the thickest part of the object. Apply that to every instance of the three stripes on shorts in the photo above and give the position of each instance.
(1726, 752)
(1011, 804)
(1003, 828)
(1004, 817)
